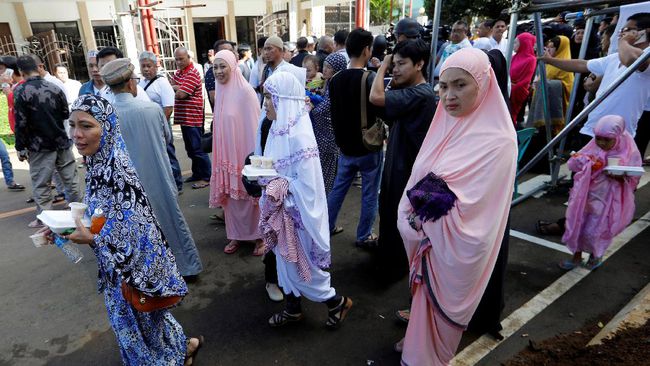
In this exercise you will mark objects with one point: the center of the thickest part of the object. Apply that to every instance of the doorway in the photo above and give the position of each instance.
(206, 32)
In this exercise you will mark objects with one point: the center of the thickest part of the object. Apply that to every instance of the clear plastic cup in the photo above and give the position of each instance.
(256, 161)
(613, 161)
(39, 239)
(267, 163)
(78, 209)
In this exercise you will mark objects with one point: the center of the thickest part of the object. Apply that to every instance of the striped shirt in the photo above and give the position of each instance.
(189, 111)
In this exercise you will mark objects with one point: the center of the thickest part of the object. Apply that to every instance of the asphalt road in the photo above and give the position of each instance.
(51, 313)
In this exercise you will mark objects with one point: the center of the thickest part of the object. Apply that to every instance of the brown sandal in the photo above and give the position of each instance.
(232, 247)
(191, 357)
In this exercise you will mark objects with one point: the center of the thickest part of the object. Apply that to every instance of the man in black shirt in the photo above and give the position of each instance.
(409, 106)
(301, 45)
(345, 97)
(40, 109)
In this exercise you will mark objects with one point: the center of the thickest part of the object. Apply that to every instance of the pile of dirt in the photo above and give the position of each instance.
(630, 346)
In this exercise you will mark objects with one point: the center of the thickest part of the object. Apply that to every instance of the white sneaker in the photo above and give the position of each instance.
(274, 292)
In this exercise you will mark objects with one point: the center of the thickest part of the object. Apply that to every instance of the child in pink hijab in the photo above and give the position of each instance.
(600, 205)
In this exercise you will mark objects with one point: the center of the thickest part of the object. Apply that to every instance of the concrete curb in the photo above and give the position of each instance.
(633, 315)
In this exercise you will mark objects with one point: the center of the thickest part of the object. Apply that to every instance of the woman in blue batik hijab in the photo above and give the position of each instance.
(130, 247)
(321, 119)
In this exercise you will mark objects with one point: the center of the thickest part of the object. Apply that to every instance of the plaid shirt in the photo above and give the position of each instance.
(189, 111)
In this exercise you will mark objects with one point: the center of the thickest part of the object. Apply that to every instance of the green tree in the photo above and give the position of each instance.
(453, 10)
(380, 10)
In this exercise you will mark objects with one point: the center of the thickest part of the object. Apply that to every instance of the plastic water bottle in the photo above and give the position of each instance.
(70, 250)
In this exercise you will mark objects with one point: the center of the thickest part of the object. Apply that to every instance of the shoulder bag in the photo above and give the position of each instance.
(373, 136)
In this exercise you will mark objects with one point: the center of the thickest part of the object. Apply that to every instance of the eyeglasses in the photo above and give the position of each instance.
(628, 29)
(137, 79)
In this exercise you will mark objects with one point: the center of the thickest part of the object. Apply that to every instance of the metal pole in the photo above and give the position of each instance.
(350, 15)
(434, 39)
(645, 56)
(574, 91)
(543, 84)
(568, 4)
(512, 33)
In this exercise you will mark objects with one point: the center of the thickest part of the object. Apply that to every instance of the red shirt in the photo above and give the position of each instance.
(10, 103)
(189, 111)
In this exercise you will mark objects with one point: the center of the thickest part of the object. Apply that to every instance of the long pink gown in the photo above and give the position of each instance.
(236, 116)
(600, 207)
(452, 258)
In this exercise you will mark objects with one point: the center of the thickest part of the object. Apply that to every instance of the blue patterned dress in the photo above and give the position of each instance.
(321, 119)
(130, 248)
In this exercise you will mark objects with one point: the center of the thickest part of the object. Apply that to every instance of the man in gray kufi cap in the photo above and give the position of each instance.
(117, 72)
(146, 134)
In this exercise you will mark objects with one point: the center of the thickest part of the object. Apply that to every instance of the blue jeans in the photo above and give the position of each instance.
(7, 170)
(200, 161)
(176, 167)
(370, 167)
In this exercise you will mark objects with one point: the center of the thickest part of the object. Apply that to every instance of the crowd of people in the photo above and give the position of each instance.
(436, 165)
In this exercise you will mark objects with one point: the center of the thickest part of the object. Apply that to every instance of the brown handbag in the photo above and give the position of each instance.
(144, 303)
(373, 137)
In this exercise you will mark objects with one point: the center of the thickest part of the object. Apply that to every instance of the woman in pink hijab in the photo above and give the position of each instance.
(600, 205)
(236, 115)
(522, 70)
(454, 211)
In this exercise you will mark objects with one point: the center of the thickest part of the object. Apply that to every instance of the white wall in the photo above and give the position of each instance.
(101, 10)
(211, 9)
(8, 15)
(51, 11)
(250, 8)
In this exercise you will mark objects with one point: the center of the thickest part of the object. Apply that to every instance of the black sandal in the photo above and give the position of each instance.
(336, 230)
(369, 243)
(337, 315)
(542, 228)
(283, 318)
(196, 350)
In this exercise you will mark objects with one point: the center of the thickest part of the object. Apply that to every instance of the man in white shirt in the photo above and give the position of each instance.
(630, 98)
(339, 43)
(458, 40)
(160, 91)
(106, 55)
(258, 67)
(484, 40)
(71, 86)
(42, 72)
(497, 39)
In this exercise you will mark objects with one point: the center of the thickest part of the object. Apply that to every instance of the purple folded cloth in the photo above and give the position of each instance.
(431, 198)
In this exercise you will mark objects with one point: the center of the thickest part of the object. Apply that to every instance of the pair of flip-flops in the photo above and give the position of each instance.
(591, 264)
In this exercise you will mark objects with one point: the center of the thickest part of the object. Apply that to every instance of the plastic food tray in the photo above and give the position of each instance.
(58, 221)
(253, 173)
(634, 171)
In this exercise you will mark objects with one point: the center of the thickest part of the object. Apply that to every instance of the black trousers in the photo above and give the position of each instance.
(270, 268)
(487, 317)
(642, 137)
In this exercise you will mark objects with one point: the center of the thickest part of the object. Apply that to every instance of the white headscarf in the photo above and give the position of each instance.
(292, 145)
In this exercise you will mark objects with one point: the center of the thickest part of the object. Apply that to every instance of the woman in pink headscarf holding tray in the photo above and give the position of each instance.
(601, 204)
(236, 115)
(453, 213)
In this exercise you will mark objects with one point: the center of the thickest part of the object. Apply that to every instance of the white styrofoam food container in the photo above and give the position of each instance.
(58, 221)
(253, 173)
(633, 171)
